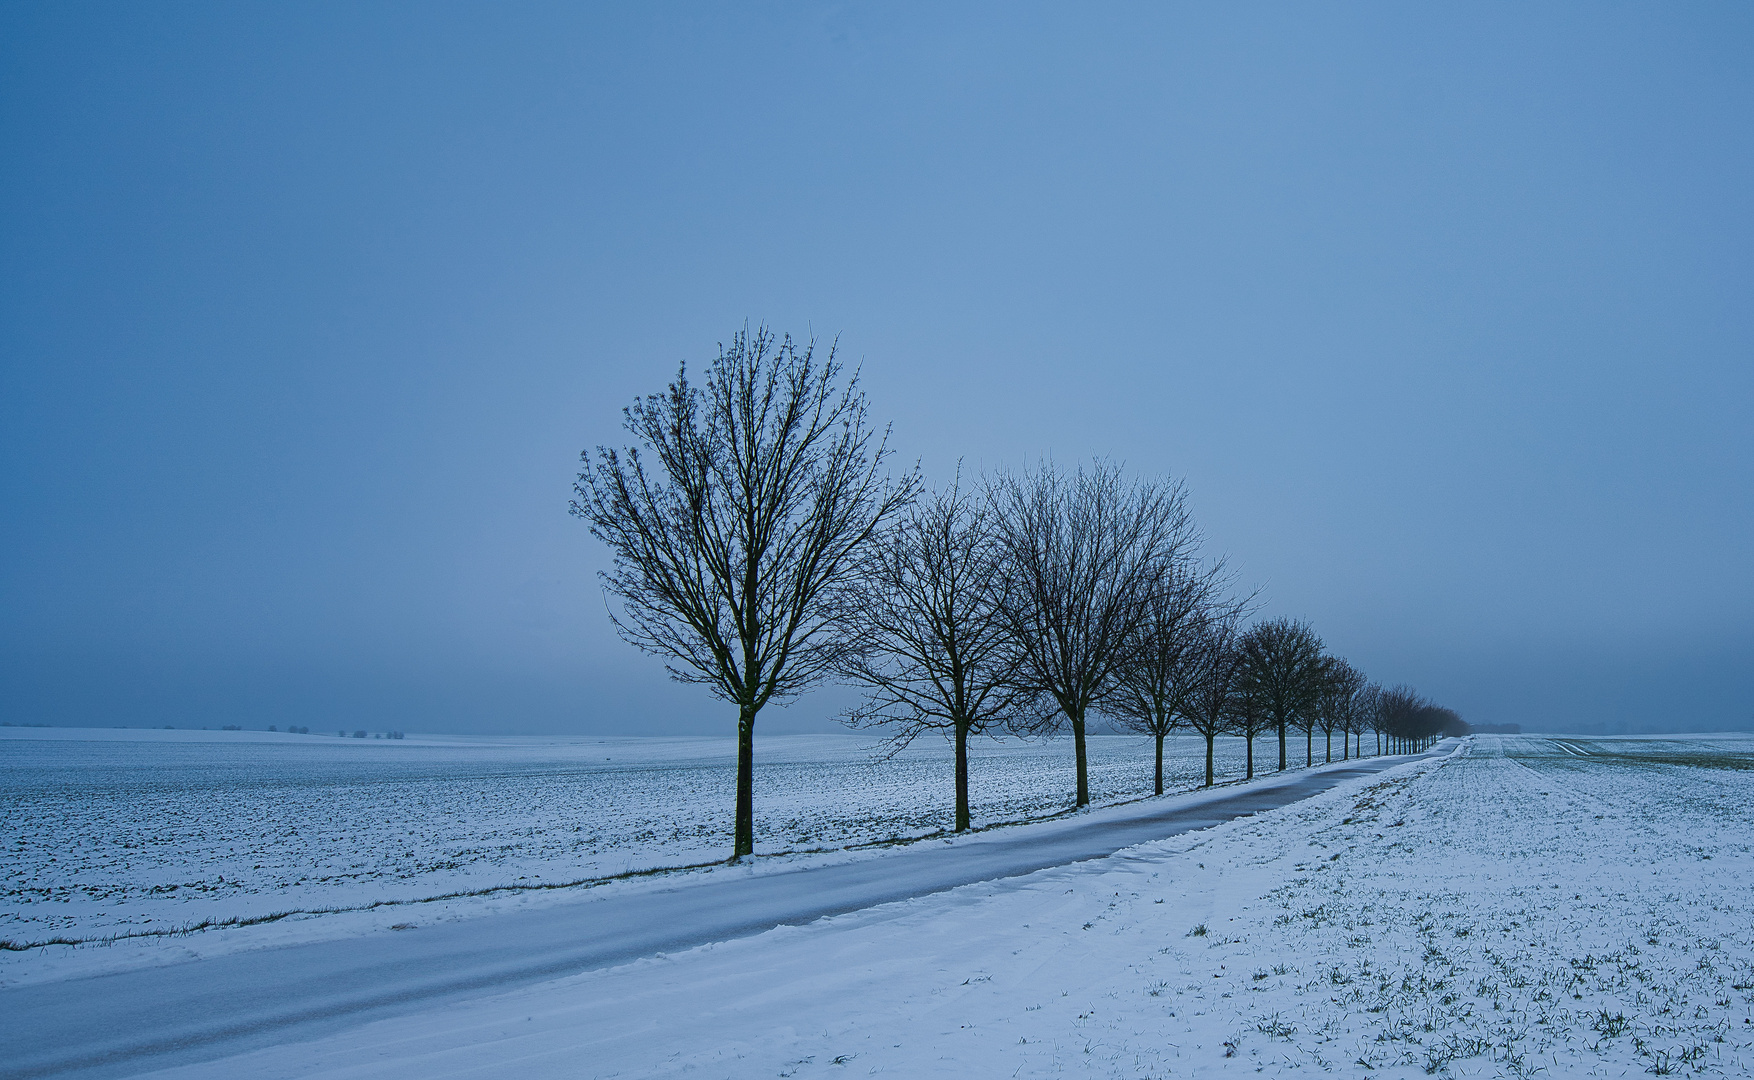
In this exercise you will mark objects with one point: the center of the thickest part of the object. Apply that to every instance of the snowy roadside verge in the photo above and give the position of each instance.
(59, 961)
(117, 832)
(1484, 914)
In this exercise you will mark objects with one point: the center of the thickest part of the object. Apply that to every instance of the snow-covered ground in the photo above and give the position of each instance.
(117, 831)
(1575, 907)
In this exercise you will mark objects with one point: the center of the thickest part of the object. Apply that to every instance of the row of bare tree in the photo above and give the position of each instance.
(761, 548)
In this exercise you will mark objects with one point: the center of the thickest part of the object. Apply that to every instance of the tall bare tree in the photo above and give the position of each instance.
(1082, 552)
(736, 520)
(1211, 703)
(1398, 711)
(1370, 715)
(1414, 722)
(1307, 719)
(1249, 716)
(924, 634)
(1282, 670)
(1151, 686)
(1353, 723)
(1364, 716)
(1338, 701)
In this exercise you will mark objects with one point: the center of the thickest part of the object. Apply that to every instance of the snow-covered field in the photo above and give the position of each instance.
(117, 831)
(1523, 907)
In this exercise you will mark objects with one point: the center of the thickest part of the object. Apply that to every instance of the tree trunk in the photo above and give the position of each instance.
(1209, 739)
(962, 821)
(1160, 763)
(1083, 765)
(1281, 746)
(1309, 748)
(745, 840)
(1250, 739)
(1330, 748)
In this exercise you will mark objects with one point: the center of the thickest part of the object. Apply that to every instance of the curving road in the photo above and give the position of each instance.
(133, 1022)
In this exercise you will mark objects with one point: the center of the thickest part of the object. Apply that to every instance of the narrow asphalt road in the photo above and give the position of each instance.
(137, 1021)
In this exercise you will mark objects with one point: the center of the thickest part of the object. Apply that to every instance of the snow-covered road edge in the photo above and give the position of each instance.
(59, 962)
(789, 955)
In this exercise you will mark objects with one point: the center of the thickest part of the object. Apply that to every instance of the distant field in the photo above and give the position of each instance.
(119, 830)
(1728, 751)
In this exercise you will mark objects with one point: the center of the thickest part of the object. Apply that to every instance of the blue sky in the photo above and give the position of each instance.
(1440, 311)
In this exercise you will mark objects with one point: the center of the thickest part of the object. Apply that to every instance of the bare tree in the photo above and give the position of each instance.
(1249, 716)
(1410, 722)
(736, 520)
(1414, 722)
(1210, 704)
(1355, 721)
(1398, 712)
(1450, 723)
(924, 633)
(1338, 700)
(1150, 688)
(1306, 719)
(1082, 552)
(1370, 714)
(1365, 716)
(1282, 670)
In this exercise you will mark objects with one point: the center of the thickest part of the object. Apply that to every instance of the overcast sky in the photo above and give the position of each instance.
(1443, 313)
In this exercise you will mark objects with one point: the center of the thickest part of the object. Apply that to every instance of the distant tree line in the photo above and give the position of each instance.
(760, 546)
